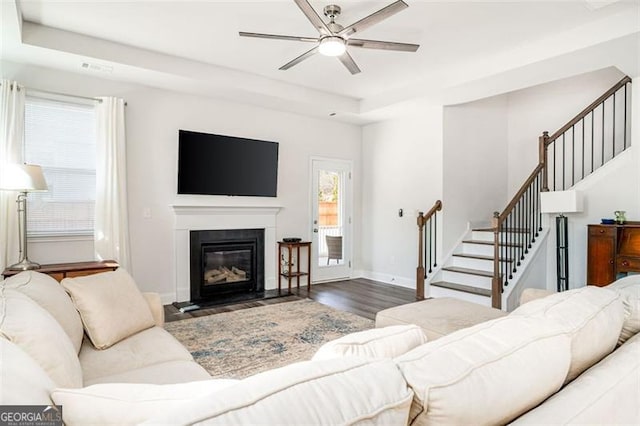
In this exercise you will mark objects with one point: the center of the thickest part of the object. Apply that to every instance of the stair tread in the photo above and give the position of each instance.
(519, 230)
(469, 271)
(463, 288)
(480, 257)
(490, 243)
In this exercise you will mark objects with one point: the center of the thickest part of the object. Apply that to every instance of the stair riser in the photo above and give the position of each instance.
(446, 292)
(467, 279)
(481, 249)
(482, 236)
(470, 263)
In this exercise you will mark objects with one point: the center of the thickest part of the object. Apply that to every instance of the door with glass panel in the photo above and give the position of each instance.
(331, 219)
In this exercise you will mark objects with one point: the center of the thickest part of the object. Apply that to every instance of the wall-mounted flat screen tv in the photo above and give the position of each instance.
(211, 164)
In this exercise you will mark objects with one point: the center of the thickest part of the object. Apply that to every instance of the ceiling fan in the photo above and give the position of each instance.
(334, 39)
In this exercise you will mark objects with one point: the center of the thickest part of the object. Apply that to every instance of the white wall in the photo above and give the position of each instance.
(475, 164)
(153, 119)
(402, 168)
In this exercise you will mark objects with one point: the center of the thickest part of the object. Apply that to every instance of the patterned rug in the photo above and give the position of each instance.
(241, 343)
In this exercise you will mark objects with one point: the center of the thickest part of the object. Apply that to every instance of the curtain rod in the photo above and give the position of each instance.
(49, 92)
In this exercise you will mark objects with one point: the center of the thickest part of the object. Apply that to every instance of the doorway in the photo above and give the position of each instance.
(331, 219)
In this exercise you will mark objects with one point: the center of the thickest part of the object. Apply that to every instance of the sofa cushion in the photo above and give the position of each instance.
(607, 393)
(165, 373)
(591, 315)
(439, 316)
(36, 332)
(338, 391)
(486, 374)
(148, 347)
(48, 293)
(386, 342)
(22, 380)
(110, 305)
(128, 403)
(629, 290)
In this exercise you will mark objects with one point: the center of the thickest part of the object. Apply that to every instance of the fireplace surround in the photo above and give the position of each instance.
(194, 215)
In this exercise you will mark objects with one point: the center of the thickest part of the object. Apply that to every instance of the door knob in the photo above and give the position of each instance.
(315, 230)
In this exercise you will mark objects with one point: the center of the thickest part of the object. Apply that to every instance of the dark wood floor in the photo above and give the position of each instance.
(359, 296)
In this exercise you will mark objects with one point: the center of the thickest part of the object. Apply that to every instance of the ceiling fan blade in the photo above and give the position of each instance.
(278, 37)
(382, 45)
(348, 62)
(313, 17)
(374, 18)
(299, 59)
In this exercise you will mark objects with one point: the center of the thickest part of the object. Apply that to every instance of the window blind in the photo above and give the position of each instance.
(61, 138)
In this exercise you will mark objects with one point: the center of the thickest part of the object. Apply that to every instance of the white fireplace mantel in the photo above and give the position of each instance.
(199, 217)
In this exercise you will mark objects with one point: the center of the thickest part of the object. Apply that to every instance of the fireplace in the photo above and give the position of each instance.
(226, 263)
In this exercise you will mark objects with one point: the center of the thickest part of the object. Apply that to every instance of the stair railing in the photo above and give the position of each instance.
(594, 136)
(427, 246)
(572, 153)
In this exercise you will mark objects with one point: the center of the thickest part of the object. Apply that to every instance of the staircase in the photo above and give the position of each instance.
(490, 260)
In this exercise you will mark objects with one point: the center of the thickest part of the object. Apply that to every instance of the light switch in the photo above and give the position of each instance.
(146, 213)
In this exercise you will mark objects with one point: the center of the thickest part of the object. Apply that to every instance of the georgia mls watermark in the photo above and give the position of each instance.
(30, 415)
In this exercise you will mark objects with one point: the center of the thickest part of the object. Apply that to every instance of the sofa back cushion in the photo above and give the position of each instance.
(331, 392)
(486, 374)
(48, 293)
(629, 290)
(385, 342)
(36, 332)
(606, 394)
(110, 305)
(22, 380)
(592, 316)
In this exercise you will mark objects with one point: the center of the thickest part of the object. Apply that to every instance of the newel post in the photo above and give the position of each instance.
(496, 281)
(420, 269)
(543, 143)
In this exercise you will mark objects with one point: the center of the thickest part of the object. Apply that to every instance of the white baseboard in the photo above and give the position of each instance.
(168, 298)
(390, 279)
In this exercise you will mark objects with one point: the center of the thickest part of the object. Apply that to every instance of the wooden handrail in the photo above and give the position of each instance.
(588, 109)
(502, 216)
(422, 220)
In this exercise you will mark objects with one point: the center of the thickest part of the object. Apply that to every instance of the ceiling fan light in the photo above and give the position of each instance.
(332, 46)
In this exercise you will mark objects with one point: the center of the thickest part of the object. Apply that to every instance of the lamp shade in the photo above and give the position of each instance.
(561, 202)
(23, 178)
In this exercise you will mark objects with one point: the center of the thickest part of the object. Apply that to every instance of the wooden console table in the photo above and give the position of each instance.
(611, 250)
(289, 273)
(59, 271)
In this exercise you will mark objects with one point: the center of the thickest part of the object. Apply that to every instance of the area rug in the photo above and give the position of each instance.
(241, 343)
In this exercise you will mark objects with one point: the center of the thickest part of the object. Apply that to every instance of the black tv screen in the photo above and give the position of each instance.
(225, 165)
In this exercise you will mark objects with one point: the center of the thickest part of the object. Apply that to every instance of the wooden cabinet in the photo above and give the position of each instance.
(59, 271)
(611, 250)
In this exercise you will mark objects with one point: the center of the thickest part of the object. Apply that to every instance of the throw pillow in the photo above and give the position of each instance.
(30, 327)
(385, 342)
(629, 290)
(128, 403)
(48, 293)
(110, 305)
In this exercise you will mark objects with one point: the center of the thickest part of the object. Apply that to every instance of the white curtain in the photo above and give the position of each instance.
(112, 223)
(11, 141)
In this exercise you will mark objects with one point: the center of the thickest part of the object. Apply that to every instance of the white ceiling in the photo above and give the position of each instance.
(453, 35)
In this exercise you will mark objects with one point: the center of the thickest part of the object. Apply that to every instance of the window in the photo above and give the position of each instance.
(61, 137)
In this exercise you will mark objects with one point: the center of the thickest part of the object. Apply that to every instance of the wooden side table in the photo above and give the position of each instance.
(289, 274)
(59, 271)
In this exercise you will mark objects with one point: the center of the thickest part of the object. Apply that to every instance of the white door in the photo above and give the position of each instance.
(331, 220)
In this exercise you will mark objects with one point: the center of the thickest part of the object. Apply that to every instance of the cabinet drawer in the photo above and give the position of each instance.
(602, 231)
(628, 264)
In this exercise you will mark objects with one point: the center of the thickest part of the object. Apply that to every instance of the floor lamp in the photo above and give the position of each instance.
(561, 202)
(23, 178)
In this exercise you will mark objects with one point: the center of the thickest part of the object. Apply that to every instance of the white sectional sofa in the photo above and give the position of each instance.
(569, 358)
